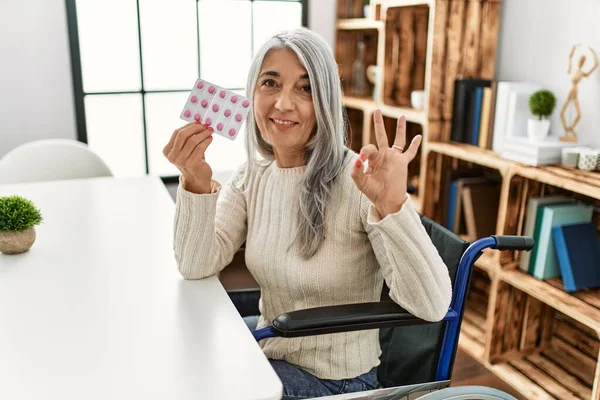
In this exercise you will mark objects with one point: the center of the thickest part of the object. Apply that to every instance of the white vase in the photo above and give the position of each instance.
(537, 129)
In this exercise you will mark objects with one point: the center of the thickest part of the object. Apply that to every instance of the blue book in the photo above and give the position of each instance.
(546, 262)
(578, 251)
(476, 116)
(452, 205)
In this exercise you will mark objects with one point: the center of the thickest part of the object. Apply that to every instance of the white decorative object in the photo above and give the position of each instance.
(417, 99)
(570, 157)
(588, 158)
(537, 129)
(373, 75)
(511, 111)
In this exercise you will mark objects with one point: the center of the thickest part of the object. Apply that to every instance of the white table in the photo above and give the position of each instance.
(97, 310)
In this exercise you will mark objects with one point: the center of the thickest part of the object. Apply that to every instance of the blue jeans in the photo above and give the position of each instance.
(299, 384)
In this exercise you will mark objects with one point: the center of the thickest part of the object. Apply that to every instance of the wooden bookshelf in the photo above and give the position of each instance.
(514, 324)
(416, 45)
(537, 337)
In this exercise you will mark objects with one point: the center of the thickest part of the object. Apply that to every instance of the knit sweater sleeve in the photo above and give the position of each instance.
(413, 269)
(209, 228)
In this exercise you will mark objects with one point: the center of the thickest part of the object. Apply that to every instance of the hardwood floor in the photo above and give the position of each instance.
(467, 371)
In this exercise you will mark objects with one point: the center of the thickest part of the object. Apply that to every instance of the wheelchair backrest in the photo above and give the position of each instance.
(410, 354)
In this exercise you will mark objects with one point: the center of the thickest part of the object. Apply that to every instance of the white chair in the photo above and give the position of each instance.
(51, 159)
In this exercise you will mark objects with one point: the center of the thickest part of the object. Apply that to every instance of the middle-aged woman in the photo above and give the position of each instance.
(319, 228)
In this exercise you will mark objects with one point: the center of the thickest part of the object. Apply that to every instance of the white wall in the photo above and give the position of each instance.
(536, 37)
(36, 98)
(35, 73)
(321, 18)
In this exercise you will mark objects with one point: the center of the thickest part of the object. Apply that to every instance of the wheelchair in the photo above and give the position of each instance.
(417, 356)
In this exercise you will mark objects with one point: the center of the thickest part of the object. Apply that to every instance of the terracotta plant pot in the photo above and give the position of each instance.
(17, 242)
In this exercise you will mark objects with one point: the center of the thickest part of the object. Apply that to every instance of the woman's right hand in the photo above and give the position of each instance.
(186, 150)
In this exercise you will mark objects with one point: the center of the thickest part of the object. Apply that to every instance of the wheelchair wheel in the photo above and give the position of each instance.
(468, 393)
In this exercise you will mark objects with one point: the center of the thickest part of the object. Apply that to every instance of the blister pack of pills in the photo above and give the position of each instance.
(221, 109)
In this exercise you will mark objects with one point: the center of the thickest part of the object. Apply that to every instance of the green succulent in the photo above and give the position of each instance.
(542, 103)
(18, 214)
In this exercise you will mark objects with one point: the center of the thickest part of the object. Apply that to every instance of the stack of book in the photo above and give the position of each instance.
(534, 153)
(566, 242)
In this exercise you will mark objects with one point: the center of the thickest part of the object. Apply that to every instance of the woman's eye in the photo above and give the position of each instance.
(306, 88)
(269, 83)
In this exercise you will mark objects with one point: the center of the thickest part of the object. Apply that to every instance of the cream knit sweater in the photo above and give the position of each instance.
(359, 251)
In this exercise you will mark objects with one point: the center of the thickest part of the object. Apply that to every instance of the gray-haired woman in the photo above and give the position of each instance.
(319, 230)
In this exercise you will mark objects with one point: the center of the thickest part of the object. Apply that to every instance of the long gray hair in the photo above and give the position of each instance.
(326, 149)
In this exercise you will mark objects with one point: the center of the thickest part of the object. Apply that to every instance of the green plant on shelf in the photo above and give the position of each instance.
(542, 103)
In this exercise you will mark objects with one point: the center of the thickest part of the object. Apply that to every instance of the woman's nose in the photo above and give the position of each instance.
(285, 101)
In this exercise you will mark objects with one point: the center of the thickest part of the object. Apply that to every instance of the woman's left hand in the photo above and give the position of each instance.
(386, 178)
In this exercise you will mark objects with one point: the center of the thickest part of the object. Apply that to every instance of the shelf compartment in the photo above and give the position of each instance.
(405, 64)
(350, 9)
(565, 366)
(538, 377)
(359, 24)
(472, 335)
(346, 53)
(584, 311)
(540, 350)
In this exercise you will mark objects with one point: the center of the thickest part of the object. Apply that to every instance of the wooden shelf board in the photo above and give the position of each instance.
(528, 388)
(359, 24)
(575, 180)
(552, 370)
(407, 3)
(368, 105)
(572, 179)
(580, 310)
(471, 153)
(470, 345)
(488, 262)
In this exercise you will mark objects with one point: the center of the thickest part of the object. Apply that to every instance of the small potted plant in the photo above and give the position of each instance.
(541, 105)
(18, 217)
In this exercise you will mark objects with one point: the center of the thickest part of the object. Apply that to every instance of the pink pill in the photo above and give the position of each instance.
(208, 121)
(211, 90)
(187, 113)
(238, 117)
(194, 99)
(197, 117)
(222, 94)
(219, 127)
(204, 103)
(246, 103)
(227, 113)
(234, 99)
(200, 85)
(232, 132)
(215, 107)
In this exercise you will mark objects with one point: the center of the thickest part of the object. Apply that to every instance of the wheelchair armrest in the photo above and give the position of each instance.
(343, 318)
